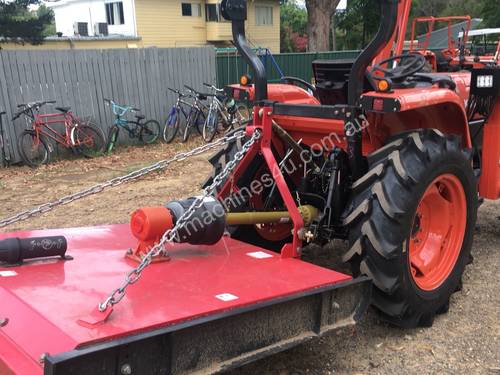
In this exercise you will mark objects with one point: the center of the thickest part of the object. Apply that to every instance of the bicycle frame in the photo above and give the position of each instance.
(4, 159)
(41, 125)
(119, 111)
(221, 108)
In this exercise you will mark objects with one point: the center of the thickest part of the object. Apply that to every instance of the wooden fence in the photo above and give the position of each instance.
(81, 79)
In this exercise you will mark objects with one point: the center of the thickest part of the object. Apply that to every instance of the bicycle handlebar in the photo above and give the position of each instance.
(30, 106)
(197, 93)
(213, 87)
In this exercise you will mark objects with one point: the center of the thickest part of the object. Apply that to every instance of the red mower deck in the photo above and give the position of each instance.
(44, 299)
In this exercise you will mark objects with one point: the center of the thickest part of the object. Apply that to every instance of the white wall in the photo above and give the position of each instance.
(91, 11)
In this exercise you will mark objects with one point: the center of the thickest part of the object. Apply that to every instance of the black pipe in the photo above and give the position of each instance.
(388, 23)
(15, 250)
(236, 12)
(204, 227)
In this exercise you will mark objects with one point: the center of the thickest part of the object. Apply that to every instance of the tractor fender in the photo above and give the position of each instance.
(276, 92)
(410, 109)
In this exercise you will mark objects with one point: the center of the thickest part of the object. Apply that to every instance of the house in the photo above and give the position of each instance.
(159, 23)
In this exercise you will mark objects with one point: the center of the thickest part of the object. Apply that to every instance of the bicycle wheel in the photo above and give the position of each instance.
(112, 138)
(200, 122)
(34, 150)
(187, 127)
(242, 112)
(88, 140)
(171, 126)
(210, 126)
(149, 132)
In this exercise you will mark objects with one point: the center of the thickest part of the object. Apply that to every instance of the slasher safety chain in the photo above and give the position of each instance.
(169, 236)
(119, 180)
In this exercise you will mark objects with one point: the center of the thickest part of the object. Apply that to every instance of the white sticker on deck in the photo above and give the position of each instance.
(226, 297)
(259, 255)
(8, 273)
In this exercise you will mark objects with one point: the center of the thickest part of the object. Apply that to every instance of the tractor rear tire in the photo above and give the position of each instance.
(411, 220)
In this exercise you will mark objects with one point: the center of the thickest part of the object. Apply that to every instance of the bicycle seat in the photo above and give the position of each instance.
(63, 109)
(140, 117)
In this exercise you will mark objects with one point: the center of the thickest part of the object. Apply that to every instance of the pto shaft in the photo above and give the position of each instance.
(309, 213)
(207, 223)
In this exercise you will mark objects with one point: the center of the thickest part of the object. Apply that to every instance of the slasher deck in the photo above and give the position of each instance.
(43, 300)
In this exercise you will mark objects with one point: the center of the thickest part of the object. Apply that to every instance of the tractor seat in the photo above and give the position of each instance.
(443, 80)
(63, 109)
(140, 117)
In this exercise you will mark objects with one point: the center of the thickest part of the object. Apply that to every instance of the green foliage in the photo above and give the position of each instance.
(22, 25)
(357, 24)
(293, 21)
(490, 11)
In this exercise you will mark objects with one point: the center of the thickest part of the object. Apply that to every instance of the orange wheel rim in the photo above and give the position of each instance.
(438, 232)
(271, 231)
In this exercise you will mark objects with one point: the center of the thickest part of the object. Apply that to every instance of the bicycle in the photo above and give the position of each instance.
(147, 132)
(173, 120)
(4, 159)
(197, 113)
(34, 143)
(224, 114)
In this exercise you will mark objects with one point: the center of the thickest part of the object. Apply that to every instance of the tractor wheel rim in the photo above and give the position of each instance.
(437, 232)
(272, 231)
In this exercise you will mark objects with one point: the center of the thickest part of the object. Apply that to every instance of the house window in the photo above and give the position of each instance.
(211, 12)
(114, 13)
(263, 15)
(189, 9)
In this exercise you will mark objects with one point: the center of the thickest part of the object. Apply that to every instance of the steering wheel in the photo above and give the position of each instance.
(408, 64)
(295, 80)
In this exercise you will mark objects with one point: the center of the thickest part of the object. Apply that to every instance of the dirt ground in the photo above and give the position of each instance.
(464, 341)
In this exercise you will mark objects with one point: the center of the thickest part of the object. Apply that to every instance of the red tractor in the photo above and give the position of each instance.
(390, 159)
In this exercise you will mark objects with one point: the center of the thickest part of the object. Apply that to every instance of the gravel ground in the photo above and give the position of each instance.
(466, 340)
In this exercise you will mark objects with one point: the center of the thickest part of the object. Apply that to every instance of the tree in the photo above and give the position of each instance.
(319, 16)
(22, 25)
(357, 24)
(490, 12)
(293, 26)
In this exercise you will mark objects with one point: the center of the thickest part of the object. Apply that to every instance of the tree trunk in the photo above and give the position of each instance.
(334, 35)
(319, 15)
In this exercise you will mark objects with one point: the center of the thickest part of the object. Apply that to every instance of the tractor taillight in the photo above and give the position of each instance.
(378, 105)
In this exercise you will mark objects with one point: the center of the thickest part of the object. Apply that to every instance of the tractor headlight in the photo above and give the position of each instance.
(485, 81)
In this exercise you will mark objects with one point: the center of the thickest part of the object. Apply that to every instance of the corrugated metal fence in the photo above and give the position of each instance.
(82, 78)
(231, 66)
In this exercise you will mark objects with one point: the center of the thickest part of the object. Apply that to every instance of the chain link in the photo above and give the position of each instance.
(170, 235)
(119, 180)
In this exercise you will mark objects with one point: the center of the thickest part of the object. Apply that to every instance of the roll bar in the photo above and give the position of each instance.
(236, 12)
(388, 23)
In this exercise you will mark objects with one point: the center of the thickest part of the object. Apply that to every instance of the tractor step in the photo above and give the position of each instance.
(208, 309)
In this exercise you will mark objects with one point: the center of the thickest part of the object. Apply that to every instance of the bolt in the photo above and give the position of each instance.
(126, 369)
(43, 357)
(4, 322)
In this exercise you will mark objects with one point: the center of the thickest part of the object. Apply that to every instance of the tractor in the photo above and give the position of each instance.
(388, 158)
